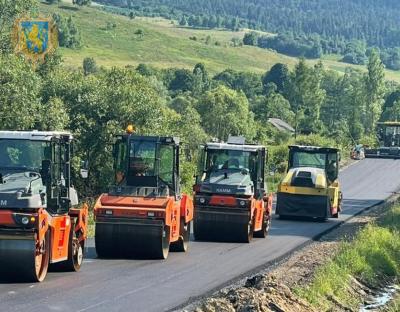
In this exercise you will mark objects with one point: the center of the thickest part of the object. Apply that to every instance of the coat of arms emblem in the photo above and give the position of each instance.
(35, 37)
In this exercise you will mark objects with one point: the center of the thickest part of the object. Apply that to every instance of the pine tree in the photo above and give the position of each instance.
(183, 21)
(374, 91)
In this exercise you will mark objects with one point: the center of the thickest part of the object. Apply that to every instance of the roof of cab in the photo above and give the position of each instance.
(33, 135)
(315, 149)
(149, 138)
(235, 147)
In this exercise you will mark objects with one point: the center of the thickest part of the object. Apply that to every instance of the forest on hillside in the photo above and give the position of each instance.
(306, 28)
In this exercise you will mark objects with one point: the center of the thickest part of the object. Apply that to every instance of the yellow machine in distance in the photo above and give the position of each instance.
(310, 187)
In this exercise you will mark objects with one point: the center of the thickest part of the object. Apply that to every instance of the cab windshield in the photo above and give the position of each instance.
(304, 159)
(390, 136)
(23, 154)
(142, 158)
(218, 160)
(143, 162)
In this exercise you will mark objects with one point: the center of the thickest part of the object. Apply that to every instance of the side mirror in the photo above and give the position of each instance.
(45, 172)
(84, 170)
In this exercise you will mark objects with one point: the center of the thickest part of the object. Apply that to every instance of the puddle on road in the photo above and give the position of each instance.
(381, 299)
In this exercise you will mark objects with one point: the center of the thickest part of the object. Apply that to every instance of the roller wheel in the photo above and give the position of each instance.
(182, 244)
(41, 261)
(103, 242)
(163, 251)
(248, 233)
(265, 227)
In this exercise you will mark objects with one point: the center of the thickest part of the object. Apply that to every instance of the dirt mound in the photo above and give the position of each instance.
(260, 294)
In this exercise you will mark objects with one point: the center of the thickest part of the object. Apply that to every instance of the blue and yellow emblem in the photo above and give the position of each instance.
(35, 37)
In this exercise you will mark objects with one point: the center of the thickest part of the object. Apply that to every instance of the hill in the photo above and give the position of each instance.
(349, 19)
(118, 40)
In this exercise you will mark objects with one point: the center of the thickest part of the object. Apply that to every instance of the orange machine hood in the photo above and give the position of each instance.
(125, 201)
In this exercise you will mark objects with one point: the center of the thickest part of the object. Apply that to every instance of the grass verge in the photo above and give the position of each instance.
(372, 258)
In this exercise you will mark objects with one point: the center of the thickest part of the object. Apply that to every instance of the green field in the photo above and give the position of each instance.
(164, 44)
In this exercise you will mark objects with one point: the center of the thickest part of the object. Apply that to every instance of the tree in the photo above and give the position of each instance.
(81, 2)
(279, 75)
(198, 21)
(226, 112)
(146, 70)
(192, 21)
(9, 11)
(182, 80)
(273, 105)
(57, 117)
(234, 24)
(249, 83)
(306, 97)
(188, 124)
(19, 94)
(68, 32)
(212, 22)
(89, 66)
(131, 15)
(374, 91)
(201, 80)
(75, 39)
(183, 21)
(250, 38)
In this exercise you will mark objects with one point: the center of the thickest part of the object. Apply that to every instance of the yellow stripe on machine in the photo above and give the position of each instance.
(302, 190)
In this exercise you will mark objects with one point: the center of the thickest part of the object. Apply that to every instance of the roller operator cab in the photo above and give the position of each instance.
(389, 141)
(144, 213)
(40, 222)
(310, 188)
(231, 197)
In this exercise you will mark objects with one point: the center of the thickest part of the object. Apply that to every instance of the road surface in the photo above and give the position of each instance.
(142, 285)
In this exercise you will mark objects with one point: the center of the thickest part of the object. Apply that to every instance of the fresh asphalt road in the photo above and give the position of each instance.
(141, 285)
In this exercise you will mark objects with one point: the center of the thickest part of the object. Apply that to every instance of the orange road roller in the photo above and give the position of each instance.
(144, 214)
(231, 198)
(41, 224)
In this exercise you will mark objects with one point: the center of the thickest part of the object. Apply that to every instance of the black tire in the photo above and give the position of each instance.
(41, 262)
(263, 233)
(182, 244)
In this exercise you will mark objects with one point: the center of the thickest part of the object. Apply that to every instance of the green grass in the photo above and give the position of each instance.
(394, 306)
(165, 45)
(372, 257)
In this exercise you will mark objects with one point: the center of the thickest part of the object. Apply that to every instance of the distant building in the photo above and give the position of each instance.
(281, 125)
